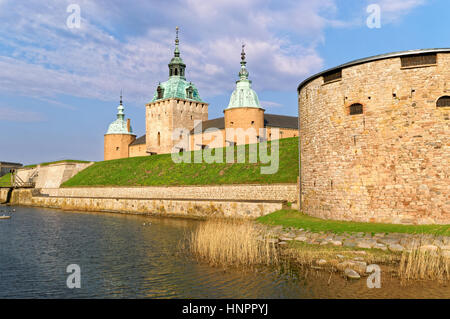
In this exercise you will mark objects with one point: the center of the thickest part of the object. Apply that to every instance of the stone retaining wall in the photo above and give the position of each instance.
(3, 194)
(275, 192)
(166, 207)
(52, 175)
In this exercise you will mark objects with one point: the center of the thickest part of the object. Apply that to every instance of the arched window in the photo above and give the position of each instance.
(356, 108)
(159, 139)
(443, 101)
(176, 71)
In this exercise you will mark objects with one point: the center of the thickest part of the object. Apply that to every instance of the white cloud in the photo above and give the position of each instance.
(128, 46)
(394, 10)
(270, 104)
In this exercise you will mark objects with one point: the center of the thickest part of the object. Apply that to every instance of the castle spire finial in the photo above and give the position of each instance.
(120, 96)
(177, 42)
(243, 73)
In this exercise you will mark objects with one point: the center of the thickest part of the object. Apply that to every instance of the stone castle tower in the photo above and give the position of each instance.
(244, 110)
(119, 136)
(174, 108)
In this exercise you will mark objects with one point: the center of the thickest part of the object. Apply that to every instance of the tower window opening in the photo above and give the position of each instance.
(117, 148)
(356, 108)
(159, 139)
(419, 60)
(176, 71)
(253, 122)
(443, 101)
(332, 76)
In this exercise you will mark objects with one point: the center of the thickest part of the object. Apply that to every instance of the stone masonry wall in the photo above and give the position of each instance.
(165, 116)
(275, 192)
(53, 175)
(389, 164)
(3, 194)
(164, 207)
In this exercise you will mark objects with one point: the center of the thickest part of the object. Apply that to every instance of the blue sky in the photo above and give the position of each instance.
(59, 87)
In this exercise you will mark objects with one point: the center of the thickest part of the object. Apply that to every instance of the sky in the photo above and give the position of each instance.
(60, 81)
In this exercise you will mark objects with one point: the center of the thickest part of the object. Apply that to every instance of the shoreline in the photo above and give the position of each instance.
(318, 251)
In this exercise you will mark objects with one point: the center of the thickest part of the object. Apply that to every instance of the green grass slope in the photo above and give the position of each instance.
(5, 180)
(161, 170)
(295, 219)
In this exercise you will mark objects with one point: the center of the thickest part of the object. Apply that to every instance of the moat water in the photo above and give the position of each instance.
(121, 258)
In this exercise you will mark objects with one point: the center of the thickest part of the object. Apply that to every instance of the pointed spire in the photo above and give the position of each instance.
(177, 50)
(120, 108)
(243, 55)
(243, 73)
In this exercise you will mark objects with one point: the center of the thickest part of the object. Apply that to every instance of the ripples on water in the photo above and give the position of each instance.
(121, 258)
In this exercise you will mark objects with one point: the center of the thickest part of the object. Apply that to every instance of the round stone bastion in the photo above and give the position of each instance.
(375, 139)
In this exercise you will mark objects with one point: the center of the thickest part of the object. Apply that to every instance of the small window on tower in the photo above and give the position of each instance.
(443, 101)
(332, 76)
(419, 60)
(117, 148)
(356, 109)
(176, 71)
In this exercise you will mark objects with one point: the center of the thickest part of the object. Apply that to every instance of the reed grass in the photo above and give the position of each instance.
(243, 243)
(424, 265)
(232, 243)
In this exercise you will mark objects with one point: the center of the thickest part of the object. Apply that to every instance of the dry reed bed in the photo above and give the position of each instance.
(421, 264)
(242, 243)
(232, 242)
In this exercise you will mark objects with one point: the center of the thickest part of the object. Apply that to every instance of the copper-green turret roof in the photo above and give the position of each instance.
(243, 95)
(177, 86)
(119, 126)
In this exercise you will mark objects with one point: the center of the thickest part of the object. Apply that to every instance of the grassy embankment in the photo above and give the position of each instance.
(5, 180)
(295, 219)
(162, 170)
(241, 243)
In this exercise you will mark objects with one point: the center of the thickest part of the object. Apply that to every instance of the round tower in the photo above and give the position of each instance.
(244, 111)
(374, 139)
(119, 136)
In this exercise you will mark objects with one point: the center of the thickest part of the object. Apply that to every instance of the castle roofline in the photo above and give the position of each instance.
(371, 59)
(178, 99)
(270, 120)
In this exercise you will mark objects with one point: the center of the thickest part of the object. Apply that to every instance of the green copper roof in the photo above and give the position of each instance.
(119, 126)
(176, 86)
(243, 95)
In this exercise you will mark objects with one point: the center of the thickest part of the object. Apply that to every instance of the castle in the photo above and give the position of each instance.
(375, 139)
(177, 119)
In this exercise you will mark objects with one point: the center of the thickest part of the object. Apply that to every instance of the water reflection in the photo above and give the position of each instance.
(121, 258)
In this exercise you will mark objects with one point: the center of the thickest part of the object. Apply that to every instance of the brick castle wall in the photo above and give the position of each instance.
(116, 145)
(165, 116)
(389, 164)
